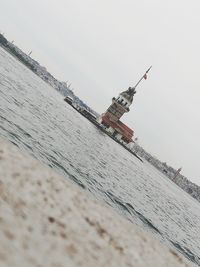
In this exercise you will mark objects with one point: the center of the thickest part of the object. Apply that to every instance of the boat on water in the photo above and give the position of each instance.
(68, 99)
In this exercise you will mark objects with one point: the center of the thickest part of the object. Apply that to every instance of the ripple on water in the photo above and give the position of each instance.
(34, 117)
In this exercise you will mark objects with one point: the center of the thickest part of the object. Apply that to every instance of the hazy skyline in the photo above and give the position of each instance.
(103, 47)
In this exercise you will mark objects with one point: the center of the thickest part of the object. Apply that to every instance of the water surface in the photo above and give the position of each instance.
(34, 117)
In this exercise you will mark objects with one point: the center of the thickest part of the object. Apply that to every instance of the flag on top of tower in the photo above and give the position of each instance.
(145, 75)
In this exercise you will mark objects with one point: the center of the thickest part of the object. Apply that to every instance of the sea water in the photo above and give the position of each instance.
(34, 117)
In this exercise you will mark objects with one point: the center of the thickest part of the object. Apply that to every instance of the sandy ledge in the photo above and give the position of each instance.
(45, 220)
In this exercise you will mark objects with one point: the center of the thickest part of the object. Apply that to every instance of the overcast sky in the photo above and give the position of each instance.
(104, 46)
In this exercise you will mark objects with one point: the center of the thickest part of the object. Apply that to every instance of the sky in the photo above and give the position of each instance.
(102, 47)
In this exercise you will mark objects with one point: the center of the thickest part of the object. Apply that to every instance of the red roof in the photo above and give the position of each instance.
(119, 127)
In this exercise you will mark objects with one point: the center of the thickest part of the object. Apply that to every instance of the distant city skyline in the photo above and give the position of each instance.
(103, 47)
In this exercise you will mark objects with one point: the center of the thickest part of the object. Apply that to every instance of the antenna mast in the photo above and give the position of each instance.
(143, 77)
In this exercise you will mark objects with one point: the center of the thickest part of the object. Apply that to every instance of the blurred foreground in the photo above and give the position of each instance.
(45, 220)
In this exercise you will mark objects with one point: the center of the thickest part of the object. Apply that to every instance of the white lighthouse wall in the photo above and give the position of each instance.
(130, 145)
(110, 130)
(118, 136)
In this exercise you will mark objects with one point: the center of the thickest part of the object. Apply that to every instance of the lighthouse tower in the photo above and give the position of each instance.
(120, 105)
(110, 119)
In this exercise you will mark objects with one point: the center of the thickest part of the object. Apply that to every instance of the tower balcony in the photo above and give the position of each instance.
(120, 104)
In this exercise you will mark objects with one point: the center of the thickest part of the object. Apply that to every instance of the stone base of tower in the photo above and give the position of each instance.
(118, 129)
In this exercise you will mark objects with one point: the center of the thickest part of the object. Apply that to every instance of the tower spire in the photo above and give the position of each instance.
(143, 77)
